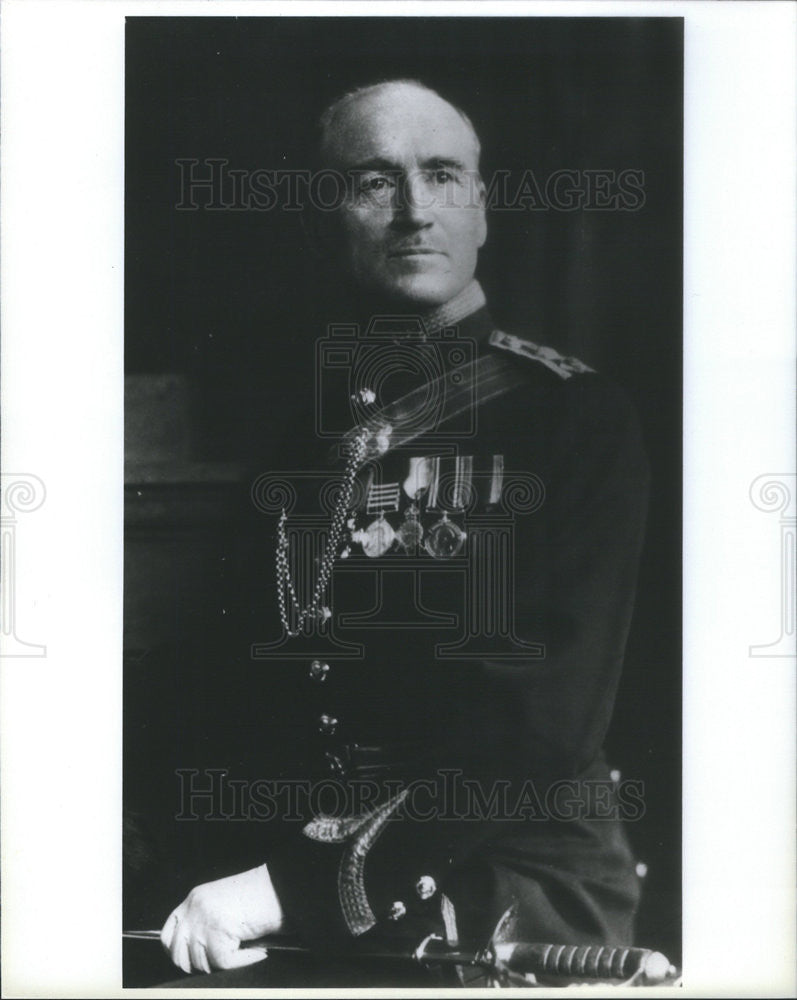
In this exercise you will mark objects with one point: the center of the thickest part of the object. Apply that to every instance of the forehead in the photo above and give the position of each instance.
(401, 124)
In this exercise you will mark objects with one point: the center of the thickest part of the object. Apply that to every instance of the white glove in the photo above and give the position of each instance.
(207, 928)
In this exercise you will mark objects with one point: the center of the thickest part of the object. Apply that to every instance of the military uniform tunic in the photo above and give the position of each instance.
(483, 656)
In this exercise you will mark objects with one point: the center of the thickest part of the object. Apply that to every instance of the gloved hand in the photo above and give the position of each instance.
(205, 931)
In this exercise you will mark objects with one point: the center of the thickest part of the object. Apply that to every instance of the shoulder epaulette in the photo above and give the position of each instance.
(565, 367)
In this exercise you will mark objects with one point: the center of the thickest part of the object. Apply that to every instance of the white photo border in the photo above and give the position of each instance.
(62, 183)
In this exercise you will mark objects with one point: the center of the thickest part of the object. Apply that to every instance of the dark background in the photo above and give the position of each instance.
(222, 308)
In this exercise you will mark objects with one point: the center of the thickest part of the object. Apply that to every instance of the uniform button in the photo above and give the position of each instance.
(327, 724)
(426, 887)
(335, 765)
(397, 910)
(319, 670)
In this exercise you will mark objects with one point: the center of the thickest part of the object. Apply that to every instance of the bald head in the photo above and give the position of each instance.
(347, 124)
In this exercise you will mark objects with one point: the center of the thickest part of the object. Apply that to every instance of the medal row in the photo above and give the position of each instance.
(443, 540)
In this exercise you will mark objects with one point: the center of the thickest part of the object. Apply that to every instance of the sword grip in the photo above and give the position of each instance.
(590, 961)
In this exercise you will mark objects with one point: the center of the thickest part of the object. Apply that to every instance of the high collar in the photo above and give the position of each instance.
(464, 304)
(466, 313)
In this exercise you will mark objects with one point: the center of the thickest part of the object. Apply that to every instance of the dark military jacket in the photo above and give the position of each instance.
(463, 685)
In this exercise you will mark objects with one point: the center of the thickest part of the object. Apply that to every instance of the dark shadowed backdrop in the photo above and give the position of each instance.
(223, 306)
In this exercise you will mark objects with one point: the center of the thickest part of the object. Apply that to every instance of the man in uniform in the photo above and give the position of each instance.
(513, 506)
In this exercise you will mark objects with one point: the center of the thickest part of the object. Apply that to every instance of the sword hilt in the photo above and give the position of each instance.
(590, 961)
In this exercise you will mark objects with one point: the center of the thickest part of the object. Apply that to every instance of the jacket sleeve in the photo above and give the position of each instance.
(541, 719)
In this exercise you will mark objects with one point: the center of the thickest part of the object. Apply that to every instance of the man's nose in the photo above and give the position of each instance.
(413, 205)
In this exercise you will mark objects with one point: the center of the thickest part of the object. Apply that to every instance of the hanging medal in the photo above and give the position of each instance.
(410, 531)
(379, 536)
(446, 538)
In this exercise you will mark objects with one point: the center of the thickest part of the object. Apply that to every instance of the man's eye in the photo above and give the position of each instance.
(442, 176)
(373, 184)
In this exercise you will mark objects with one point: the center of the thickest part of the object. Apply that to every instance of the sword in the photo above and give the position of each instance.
(506, 962)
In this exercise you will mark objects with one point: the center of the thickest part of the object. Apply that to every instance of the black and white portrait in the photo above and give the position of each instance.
(403, 404)
(397, 496)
